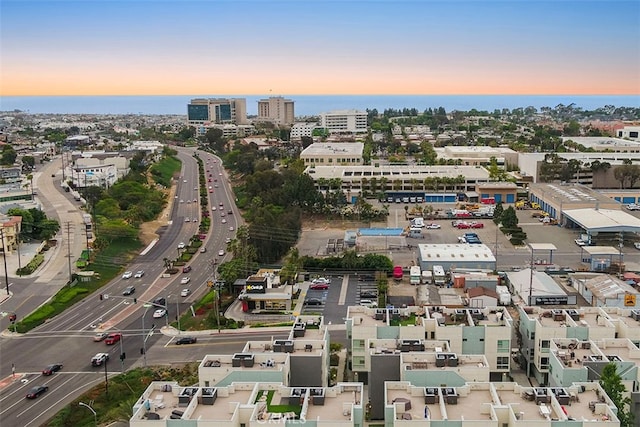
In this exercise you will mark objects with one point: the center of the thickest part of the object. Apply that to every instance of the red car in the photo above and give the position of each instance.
(477, 225)
(462, 225)
(319, 286)
(112, 338)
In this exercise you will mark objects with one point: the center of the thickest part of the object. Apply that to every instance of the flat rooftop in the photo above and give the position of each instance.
(448, 253)
(472, 173)
(327, 148)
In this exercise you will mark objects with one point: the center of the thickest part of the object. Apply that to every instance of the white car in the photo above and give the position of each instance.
(138, 274)
(227, 240)
(221, 252)
(185, 292)
(159, 313)
(368, 303)
(185, 280)
(224, 221)
(187, 219)
(633, 207)
(127, 275)
(231, 228)
(213, 208)
(580, 242)
(636, 245)
(321, 280)
(181, 245)
(432, 226)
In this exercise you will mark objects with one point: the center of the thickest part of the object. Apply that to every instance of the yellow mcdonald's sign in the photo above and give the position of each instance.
(629, 300)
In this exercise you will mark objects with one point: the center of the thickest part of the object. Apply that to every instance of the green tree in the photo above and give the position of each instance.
(509, 218)
(497, 213)
(28, 162)
(611, 382)
(8, 156)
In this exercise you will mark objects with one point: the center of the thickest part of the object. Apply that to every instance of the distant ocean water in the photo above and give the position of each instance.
(305, 105)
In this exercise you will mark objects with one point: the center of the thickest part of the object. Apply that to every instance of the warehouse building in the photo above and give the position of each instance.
(456, 256)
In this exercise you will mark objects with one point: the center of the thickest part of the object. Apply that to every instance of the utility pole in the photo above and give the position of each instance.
(4, 258)
(68, 227)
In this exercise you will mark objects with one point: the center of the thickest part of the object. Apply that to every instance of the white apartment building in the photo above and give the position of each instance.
(298, 130)
(277, 110)
(329, 154)
(344, 121)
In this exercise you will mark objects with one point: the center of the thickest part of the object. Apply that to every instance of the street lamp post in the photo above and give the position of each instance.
(177, 310)
(95, 415)
(144, 336)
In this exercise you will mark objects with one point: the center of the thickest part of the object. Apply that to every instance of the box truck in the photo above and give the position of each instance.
(415, 275)
(439, 276)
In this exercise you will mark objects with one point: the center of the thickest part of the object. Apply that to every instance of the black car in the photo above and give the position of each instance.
(368, 294)
(129, 290)
(186, 340)
(160, 301)
(49, 370)
(37, 391)
(313, 301)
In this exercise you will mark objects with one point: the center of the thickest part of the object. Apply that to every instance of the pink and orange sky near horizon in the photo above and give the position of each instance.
(412, 47)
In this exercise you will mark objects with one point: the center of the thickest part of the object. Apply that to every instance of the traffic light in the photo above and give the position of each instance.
(101, 297)
(141, 350)
(123, 356)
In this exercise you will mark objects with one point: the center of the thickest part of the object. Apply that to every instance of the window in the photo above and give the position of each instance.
(502, 362)
(504, 346)
(545, 346)
(544, 363)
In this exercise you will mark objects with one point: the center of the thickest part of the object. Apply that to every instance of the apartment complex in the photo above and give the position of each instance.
(298, 130)
(344, 121)
(277, 110)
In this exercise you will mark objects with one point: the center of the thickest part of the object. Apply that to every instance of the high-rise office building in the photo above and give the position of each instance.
(277, 110)
(217, 111)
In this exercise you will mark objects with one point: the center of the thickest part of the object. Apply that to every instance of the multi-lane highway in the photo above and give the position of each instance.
(68, 337)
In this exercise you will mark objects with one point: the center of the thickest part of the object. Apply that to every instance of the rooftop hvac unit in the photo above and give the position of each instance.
(635, 314)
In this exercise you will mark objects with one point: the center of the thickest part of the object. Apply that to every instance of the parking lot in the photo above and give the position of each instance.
(314, 239)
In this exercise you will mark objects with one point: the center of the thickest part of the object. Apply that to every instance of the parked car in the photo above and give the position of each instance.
(99, 359)
(368, 303)
(221, 252)
(636, 245)
(127, 275)
(203, 250)
(138, 274)
(181, 245)
(476, 225)
(319, 286)
(321, 280)
(186, 340)
(36, 391)
(580, 242)
(129, 290)
(113, 338)
(185, 292)
(432, 226)
(51, 369)
(368, 294)
(159, 313)
(313, 301)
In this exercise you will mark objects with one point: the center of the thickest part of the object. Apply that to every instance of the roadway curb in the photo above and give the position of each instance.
(173, 332)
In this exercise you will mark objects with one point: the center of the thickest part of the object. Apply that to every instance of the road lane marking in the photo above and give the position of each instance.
(343, 289)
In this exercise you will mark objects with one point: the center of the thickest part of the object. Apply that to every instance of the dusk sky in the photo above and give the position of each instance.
(421, 47)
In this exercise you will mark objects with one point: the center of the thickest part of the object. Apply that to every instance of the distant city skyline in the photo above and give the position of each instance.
(316, 47)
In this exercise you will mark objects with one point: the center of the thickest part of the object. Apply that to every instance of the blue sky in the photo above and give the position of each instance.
(319, 47)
